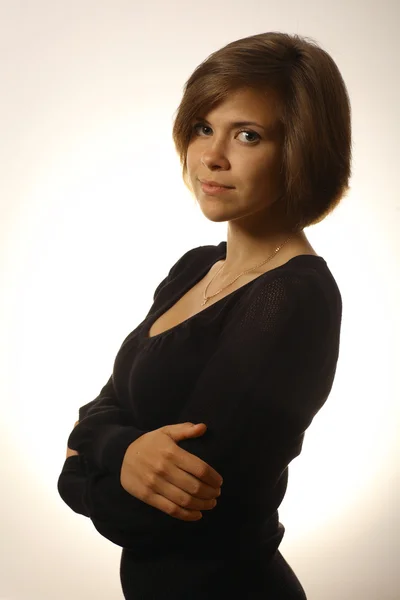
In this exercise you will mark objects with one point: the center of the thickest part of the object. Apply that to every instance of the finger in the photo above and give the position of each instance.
(181, 498)
(71, 452)
(190, 484)
(195, 466)
(172, 509)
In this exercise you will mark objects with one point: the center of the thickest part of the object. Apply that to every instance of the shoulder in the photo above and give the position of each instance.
(196, 258)
(300, 291)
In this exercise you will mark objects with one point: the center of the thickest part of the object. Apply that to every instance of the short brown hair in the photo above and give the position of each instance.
(316, 114)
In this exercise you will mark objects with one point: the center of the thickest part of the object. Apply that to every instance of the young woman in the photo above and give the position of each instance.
(242, 339)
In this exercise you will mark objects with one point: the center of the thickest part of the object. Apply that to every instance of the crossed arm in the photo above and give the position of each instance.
(262, 374)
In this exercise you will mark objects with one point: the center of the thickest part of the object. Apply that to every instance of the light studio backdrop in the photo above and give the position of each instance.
(93, 215)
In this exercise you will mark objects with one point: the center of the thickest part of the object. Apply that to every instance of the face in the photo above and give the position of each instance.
(247, 157)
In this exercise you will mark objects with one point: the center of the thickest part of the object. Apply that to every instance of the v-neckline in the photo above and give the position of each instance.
(152, 318)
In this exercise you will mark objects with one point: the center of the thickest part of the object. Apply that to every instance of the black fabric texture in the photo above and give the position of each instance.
(255, 367)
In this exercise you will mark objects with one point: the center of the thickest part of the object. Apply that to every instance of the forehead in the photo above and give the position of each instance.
(247, 105)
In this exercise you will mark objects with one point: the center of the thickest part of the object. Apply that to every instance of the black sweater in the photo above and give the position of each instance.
(255, 367)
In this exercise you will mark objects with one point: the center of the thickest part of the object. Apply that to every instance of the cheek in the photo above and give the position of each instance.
(260, 174)
(189, 160)
(267, 169)
(192, 155)
(192, 165)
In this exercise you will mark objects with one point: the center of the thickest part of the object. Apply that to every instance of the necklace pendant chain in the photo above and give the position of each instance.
(206, 298)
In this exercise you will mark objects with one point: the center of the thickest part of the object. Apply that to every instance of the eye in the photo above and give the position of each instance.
(196, 126)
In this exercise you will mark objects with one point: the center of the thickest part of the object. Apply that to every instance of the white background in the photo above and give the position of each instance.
(88, 94)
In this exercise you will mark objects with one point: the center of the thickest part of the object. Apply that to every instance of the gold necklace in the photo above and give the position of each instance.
(206, 298)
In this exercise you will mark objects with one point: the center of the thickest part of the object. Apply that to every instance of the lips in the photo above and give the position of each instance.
(214, 184)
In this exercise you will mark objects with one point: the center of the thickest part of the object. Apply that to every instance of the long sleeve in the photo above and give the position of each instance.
(271, 371)
(105, 430)
(71, 484)
(101, 441)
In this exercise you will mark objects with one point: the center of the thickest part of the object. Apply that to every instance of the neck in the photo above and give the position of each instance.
(244, 251)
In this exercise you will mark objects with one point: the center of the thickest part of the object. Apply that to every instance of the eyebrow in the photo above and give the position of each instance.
(240, 124)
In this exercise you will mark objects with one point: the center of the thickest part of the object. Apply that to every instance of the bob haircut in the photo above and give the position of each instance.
(315, 115)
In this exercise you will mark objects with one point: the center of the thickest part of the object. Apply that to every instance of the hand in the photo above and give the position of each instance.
(160, 473)
(71, 452)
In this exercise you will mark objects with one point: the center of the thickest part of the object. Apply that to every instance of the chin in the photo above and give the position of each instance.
(215, 217)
